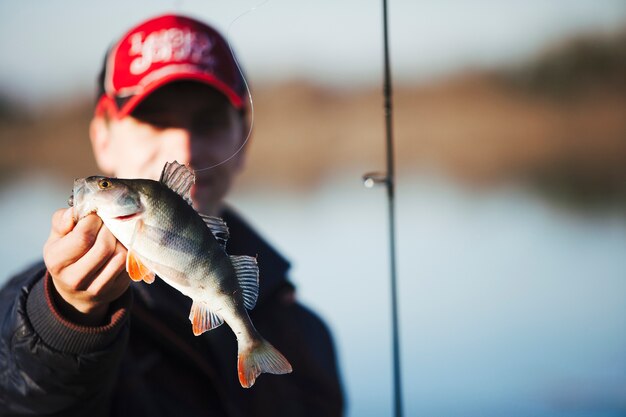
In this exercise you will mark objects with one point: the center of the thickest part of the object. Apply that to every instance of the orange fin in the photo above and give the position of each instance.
(137, 270)
(203, 319)
(261, 357)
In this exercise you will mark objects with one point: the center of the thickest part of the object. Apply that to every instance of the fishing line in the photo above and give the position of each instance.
(245, 81)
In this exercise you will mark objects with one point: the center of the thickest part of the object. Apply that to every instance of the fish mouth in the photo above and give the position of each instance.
(77, 200)
(128, 216)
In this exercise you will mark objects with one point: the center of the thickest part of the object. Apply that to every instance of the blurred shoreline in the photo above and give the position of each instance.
(557, 123)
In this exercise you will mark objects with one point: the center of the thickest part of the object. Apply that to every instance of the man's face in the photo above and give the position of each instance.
(185, 121)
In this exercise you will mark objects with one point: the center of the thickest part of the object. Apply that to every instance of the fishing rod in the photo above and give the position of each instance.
(387, 179)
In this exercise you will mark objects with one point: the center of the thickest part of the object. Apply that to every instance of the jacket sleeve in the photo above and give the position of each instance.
(49, 365)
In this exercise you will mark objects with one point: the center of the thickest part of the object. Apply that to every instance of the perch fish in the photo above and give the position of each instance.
(165, 236)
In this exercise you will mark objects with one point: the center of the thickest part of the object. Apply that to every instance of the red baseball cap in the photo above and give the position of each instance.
(161, 50)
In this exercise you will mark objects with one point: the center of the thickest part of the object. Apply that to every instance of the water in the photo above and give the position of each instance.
(508, 305)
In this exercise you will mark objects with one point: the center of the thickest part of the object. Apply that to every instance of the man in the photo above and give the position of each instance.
(78, 339)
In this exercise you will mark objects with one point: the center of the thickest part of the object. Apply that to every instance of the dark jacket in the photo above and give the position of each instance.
(146, 362)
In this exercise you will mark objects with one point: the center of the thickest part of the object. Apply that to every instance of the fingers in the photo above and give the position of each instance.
(112, 277)
(62, 223)
(103, 260)
(86, 263)
(79, 255)
(63, 250)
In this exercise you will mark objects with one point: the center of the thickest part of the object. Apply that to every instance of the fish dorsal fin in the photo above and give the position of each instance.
(247, 272)
(179, 178)
(218, 228)
(203, 319)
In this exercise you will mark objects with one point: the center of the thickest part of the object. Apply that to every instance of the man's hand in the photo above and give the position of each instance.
(87, 266)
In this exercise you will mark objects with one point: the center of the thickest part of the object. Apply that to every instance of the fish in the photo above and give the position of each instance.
(166, 237)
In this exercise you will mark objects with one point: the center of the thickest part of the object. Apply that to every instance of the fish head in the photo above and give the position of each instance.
(110, 198)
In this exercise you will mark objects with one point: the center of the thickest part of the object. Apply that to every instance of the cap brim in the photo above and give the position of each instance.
(126, 105)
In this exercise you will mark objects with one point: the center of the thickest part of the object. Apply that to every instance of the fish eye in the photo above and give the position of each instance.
(104, 184)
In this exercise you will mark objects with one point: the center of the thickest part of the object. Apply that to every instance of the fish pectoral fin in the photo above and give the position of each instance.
(137, 270)
(134, 266)
(247, 272)
(203, 319)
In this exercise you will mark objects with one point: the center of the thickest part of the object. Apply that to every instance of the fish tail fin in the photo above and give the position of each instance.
(258, 358)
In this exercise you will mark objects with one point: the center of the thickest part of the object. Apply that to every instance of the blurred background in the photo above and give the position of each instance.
(510, 130)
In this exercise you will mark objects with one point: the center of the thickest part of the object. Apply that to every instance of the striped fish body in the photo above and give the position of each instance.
(165, 236)
(173, 241)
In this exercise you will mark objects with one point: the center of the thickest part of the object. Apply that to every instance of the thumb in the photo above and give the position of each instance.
(68, 219)
(62, 222)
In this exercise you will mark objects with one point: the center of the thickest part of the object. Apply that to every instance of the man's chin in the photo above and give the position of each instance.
(208, 209)
(205, 205)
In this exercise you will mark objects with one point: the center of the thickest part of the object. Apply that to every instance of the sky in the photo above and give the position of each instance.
(55, 48)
